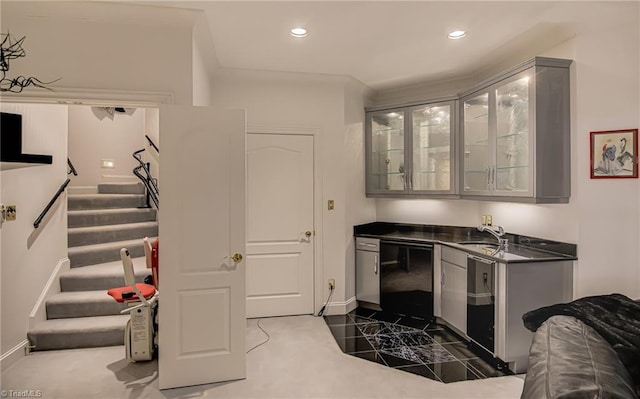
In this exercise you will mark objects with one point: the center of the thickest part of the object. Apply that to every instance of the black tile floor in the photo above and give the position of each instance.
(410, 344)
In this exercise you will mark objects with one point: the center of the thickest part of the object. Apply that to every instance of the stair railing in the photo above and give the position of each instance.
(64, 185)
(71, 170)
(152, 144)
(149, 182)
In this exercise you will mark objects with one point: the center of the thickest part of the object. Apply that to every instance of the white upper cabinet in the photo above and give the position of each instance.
(411, 151)
(516, 135)
(506, 139)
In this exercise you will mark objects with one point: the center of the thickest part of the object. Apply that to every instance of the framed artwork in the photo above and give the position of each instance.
(614, 154)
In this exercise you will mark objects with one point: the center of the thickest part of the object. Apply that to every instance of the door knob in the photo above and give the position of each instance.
(307, 234)
(236, 258)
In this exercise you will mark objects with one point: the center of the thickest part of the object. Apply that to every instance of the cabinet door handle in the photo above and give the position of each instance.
(442, 280)
(375, 264)
(488, 177)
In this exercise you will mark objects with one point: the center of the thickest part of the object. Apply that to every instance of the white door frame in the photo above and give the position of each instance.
(317, 197)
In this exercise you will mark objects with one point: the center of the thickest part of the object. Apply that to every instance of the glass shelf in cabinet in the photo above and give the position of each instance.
(388, 174)
(389, 150)
(505, 136)
(441, 124)
(440, 148)
(505, 168)
(388, 131)
(477, 143)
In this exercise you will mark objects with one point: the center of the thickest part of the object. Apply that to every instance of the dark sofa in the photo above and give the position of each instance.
(585, 349)
(569, 359)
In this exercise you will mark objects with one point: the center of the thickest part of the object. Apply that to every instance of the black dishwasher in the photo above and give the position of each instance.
(406, 278)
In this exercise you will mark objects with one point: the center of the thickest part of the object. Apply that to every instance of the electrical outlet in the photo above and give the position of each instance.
(331, 205)
(484, 220)
(489, 220)
(332, 283)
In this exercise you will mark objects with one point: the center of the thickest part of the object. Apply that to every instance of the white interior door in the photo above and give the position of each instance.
(280, 219)
(202, 290)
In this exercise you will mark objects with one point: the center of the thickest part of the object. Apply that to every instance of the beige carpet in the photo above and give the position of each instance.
(301, 360)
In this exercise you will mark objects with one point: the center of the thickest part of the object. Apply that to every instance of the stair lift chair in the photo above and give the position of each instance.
(140, 335)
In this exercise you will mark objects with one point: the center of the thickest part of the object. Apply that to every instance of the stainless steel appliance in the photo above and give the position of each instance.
(481, 301)
(406, 278)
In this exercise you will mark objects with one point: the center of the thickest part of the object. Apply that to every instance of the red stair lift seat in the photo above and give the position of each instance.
(128, 293)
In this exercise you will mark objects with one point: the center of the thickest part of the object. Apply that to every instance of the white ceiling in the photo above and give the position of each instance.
(383, 44)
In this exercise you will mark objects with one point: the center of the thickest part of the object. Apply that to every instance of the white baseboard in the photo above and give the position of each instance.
(13, 355)
(338, 308)
(82, 189)
(39, 312)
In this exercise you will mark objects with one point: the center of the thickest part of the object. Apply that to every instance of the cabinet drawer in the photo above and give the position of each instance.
(454, 256)
(367, 244)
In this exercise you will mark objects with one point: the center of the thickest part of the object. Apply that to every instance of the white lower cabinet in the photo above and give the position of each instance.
(454, 295)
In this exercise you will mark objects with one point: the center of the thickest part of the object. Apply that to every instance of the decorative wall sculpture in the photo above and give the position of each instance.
(11, 49)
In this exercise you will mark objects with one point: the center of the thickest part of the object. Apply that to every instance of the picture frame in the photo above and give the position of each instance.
(614, 154)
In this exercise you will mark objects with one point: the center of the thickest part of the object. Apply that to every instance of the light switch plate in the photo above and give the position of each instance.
(489, 220)
(484, 220)
(330, 205)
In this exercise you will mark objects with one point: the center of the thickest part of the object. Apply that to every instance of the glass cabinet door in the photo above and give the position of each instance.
(477, 148)
(431, 148)
(387, 162)
(513, 112)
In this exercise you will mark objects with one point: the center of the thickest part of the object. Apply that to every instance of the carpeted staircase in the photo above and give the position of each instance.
(83, 315)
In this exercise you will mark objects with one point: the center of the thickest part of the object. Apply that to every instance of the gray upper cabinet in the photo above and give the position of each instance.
(410, 151)
(516, 135)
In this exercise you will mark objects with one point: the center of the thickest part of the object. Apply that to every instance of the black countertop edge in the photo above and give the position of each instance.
(452, 235)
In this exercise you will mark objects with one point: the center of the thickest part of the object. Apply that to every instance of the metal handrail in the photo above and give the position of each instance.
(149, 182)
(152, 144)
(64, 185)
(72, 169)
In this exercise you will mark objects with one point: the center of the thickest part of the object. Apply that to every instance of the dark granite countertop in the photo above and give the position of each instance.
(521, 249)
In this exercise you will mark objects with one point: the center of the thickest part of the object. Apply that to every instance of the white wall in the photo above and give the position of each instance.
(603, 216)
(152, 129)
(204, 62)
(93, 45)
(94, 136)
(313, 101)
(359, 209)
(28, 255)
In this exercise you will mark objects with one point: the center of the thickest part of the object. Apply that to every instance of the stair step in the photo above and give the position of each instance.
(102, 276)
(121, 188)
(80, 332)
(103, 217)
(82, 304)
(104, 201)
(79, 236)
(106, 252)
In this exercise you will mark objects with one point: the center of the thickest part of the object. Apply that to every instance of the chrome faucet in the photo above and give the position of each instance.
(497, 232)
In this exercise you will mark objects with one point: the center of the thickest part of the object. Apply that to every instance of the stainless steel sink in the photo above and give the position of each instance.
(487, 248)
(479, 244)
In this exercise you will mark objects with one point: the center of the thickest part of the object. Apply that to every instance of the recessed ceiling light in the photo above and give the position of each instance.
(299, 32)
(457, 34)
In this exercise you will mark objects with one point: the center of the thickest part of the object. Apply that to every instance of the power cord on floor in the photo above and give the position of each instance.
(265, 333)
(321, 312)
